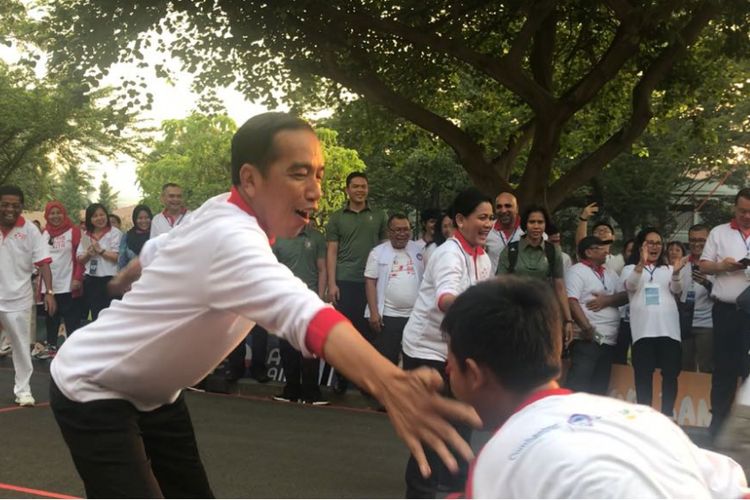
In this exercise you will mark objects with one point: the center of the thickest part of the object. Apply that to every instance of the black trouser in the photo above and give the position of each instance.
(259, 347)
(69, 311)
(590, 368)
(624, 340)
(352, 302)
(388, 341)
(121, 452)
(651, 353)
(731, 343)
(95, 294)
(301, 373)
(441, 478)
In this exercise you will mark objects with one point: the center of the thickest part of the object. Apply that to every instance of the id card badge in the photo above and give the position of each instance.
(690, 297)
(652, 295)
(93, 264)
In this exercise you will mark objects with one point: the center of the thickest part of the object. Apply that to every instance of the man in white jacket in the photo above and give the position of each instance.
(116, 384)
(392, 276)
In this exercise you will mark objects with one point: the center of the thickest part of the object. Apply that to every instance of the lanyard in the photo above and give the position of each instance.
(600, 277)
(177, 220)
(650, 272)
(512, 235)
(745, 241)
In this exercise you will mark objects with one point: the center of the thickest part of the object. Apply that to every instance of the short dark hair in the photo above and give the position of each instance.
(253, 142)
(116, 217)
(354, 175)
(10, 190)
(698, 227)
(551, 229)
(90, 213)
(467, 201)
(603, 223)
(530, 210)
(398, 216)
(512, 325)
(429, 213)
(742, 193)
(170, 185)
(675, 243)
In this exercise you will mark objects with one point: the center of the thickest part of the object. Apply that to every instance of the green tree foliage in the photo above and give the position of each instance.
(107, 195)
(74, 190)
(538, 95)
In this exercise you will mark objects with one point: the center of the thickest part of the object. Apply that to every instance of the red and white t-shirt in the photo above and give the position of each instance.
(21, 249)
(563, 445)
(61, 251)
(582, 281)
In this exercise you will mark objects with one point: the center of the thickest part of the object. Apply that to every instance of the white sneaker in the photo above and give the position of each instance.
(25, 400)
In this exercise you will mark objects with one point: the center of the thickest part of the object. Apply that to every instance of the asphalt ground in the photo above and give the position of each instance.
(252, 447)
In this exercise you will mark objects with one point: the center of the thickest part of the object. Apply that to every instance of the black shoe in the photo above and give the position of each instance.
(317, 402)
(262, 378)
(284, 398)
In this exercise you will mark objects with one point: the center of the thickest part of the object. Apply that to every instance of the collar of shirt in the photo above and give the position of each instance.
(536, 396)
(347, 209)
(236, 198)
(473, 251)
(19, 223)
(171, 219)
(523, 243)
(596, 268)
(508, 232)
(90, 234)
(733, 224)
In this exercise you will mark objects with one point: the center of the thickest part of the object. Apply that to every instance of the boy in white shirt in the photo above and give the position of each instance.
(550, 443)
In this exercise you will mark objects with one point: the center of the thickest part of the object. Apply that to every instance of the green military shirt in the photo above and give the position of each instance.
(532, 261)
(301, 254)
(356, 233)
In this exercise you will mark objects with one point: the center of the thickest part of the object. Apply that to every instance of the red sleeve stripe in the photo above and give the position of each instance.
(320, 327)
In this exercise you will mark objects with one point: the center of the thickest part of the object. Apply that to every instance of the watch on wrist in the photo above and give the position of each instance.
(49, 292)
(101, 251)
(582, 219)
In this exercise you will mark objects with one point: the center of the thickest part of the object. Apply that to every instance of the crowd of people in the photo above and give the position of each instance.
(422, 303)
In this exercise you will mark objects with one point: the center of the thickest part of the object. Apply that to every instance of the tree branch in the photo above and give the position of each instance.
(503, 163)
(621, 8)
(542, 52)
(641, 115)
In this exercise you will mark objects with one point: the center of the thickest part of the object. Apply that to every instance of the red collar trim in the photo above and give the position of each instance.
(544, 393)
(474, 252)
(19, 223)
(91, 234)
(733, 224)
(597, 269)
(508, 232)
(236, 198)
(172, 219)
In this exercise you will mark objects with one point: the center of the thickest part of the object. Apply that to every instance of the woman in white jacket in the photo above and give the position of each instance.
(651, 284)
(453, 267)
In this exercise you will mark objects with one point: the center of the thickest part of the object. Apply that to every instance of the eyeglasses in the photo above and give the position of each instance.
(654, 243)
(696, 240)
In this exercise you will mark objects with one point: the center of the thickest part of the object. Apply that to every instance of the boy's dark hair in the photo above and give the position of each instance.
(532, 209)
(90, 213)
(398, 216)
(253, 142)
(169, 185)
(742, 193)
(116, 217)
(511, 325)
(354, 175)
(429, 213)
(699, 227)
(603, 223)
(10, 190)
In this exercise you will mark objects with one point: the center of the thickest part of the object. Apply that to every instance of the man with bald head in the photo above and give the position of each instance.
(506, 229)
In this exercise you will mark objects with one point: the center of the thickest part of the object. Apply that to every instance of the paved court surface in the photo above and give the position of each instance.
(251, 447)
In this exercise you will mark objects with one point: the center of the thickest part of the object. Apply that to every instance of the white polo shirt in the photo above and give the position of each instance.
(398, 274)
(206, 285)
(653, 309)
(109, 241)
(582, 281)
(61, 251)
(452, 268)
(497, 240)
(163, 222)
(21, 249)
(725, 241)
(561, 445)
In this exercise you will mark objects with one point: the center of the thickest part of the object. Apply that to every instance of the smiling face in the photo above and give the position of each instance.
(477, 225)
(399, 233)
(99, 219)
(446, 227)
(171, 198)
(357, 190)
(506, 209)
(55, 217)
(285, 196)
(653, 246)
(10, 209)
(143, 221)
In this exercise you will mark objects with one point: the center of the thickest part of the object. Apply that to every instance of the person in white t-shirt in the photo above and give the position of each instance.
(174, 212)
(98, 253)
(444, 232)
(654, 320)
(593, 346)
(430, 218)
(21, 249)
(63, 238)
(116, 389)
(507, 227)
(392, 276)
(454, 266)
(504, 360)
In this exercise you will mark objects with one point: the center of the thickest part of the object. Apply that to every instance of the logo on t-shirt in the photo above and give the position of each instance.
(580, 420)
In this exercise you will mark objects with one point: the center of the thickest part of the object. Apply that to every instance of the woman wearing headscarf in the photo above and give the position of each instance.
(63, 238)
(132, 242)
